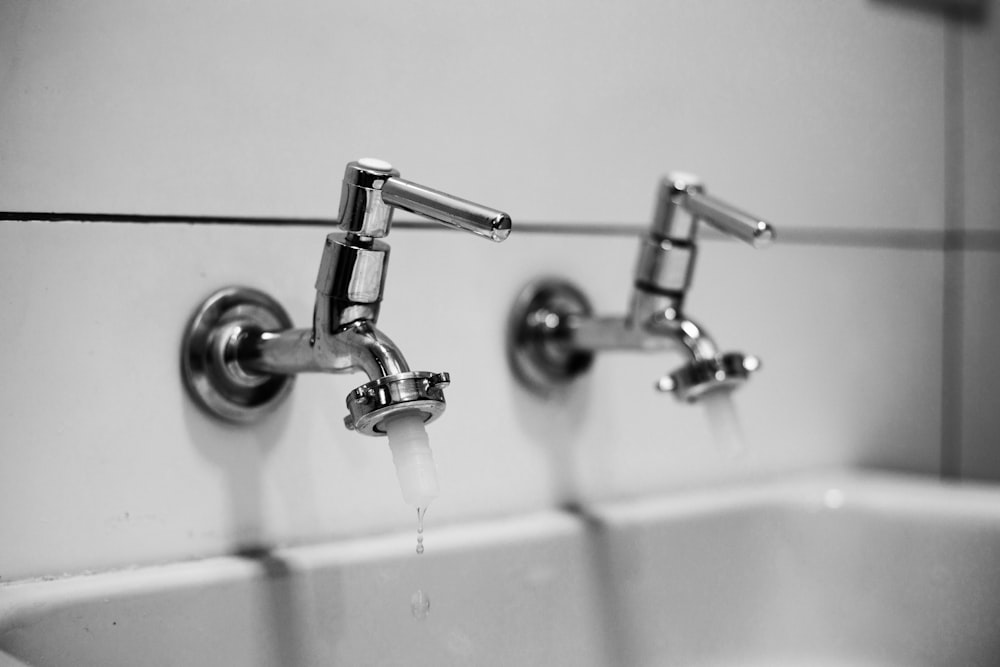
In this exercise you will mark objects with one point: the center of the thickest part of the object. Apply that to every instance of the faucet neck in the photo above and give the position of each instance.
(343, 337)
(667, 253)
(361, 346)
(672, 218)
(350, 281)
(661, 332)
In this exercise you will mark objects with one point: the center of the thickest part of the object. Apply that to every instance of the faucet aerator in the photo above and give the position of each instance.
(384, 399)
(697, 379)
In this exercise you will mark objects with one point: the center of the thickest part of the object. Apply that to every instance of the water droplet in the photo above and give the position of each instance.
(420, 529)
(420, 605)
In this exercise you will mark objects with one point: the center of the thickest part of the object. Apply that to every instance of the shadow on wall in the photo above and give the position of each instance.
(556, 422)
(241, 454)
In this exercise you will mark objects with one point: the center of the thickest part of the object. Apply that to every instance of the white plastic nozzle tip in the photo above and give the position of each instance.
(411, 454)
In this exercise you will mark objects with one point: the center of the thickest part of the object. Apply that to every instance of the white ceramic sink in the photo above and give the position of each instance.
(840, 569)
(511, 592)
(830, 570)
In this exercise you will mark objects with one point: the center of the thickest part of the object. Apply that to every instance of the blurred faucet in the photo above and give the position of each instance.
(241, 353)
(553, 333)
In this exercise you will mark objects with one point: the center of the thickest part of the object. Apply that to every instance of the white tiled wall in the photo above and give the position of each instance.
(980, 453)
(819, 113)
(980, 66)
(815, 114)
(108, 462)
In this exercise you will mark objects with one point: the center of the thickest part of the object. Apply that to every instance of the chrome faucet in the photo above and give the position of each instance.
(240, 352)
(553, 333)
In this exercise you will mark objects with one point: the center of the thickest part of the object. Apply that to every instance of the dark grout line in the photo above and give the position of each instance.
(951, 238)
(894, 239)
(127, 218)
(952, 311)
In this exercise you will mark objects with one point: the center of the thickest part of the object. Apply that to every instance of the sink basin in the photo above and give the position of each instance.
(831, 569)
(503, 592)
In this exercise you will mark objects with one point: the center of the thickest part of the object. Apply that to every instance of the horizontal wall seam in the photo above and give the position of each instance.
(899, 239)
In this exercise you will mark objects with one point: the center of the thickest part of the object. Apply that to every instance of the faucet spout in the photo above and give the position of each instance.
(664, 331)
(365, 348)
(358, 346)
(707, 369)
(553, 337)
(392, 390)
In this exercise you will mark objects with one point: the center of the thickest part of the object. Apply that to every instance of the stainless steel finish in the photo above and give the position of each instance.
(553, 334)
(358, 347)
(372, 403)
(372, 189)
(211, 373)
(682, 203)
(446, 209)
(362, 209)
(668, 252)
(537, 334)
(665, 265)
(730, 220)
(353, 270)
(671, 220)
(664, 332)
(351, 279)
(240, 357)
(691, 382)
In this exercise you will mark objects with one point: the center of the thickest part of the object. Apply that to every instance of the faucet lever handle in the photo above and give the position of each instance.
(729, 219)
(685, 192)
(446, 209)
(372, 190)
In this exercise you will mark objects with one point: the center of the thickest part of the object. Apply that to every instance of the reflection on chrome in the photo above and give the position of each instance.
(240, 352)
(553, 333)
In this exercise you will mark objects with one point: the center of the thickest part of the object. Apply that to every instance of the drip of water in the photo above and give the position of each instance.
(420, 602)
(420, 605)
(420, 529)
(724, 423)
